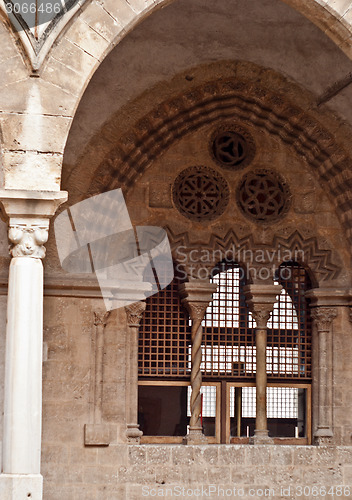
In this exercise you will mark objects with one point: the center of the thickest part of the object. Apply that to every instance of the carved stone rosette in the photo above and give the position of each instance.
(134, 315)
(196, 296)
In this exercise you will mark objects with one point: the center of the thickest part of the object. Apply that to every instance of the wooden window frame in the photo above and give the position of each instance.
(179, 439)
(277, 440)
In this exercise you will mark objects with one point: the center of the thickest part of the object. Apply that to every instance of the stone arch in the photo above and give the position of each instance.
(77, 50)
(251, 101)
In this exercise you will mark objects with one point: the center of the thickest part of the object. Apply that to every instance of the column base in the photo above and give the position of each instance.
(261, 437)
(133, 434)
(21, 486)
(323, 436)
(195, 436)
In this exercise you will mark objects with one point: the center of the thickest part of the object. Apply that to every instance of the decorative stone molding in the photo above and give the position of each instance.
(196, 296)
(306, 251)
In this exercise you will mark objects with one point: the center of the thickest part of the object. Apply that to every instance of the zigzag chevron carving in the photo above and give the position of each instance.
(306, 251)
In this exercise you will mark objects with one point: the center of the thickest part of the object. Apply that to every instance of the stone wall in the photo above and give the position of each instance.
(136, 472)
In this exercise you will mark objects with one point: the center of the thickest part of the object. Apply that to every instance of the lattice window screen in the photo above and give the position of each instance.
(164, 336)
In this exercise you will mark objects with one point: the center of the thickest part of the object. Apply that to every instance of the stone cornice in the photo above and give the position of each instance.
(329, 296)
(20, 204)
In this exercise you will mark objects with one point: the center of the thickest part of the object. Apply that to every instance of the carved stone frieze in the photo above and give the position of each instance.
(199, 258)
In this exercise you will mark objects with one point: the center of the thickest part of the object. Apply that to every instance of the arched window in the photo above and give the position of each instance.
(229, 354)
(228, 361)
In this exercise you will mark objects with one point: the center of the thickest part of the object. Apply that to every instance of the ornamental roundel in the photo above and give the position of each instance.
(263, 196)
(200, 193)
(232, 147)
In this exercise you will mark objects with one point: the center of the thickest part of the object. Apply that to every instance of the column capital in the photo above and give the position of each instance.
(134, 313)
(196, 296)
(28, 214)
(261, 300)
(101, 318)
(323, 317)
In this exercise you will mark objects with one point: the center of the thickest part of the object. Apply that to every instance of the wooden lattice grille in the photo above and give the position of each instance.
(164, 336)
(229, 329)
(229, 344)
(228, 348)
(289, 351)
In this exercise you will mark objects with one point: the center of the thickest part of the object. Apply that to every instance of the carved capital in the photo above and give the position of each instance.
(197, 310)
(261, 300)
(28, 214)
(134, 313)
(27, 240)
(101, 318)
(196, 296)
(261, 314)
(323, 317)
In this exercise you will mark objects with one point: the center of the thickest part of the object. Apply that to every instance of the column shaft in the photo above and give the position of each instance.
(260, 381)
(23, 367)
(134, 314)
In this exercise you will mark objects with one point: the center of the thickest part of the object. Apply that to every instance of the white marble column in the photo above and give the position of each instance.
(28, 214)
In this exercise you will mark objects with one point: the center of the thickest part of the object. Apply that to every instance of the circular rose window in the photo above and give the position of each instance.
(200, 193)
(263, 196)
(232, 147)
